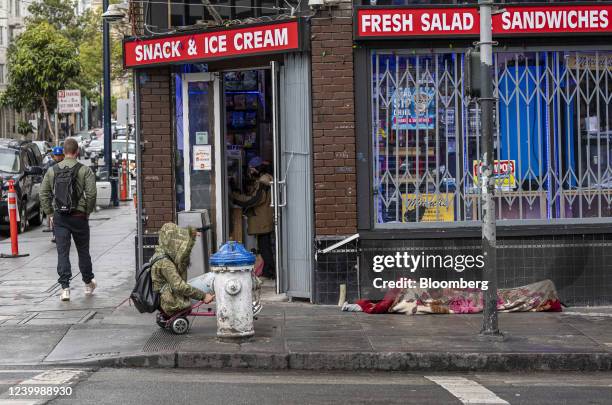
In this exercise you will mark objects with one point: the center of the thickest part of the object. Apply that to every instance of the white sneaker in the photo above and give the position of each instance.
(65, 296)
(89, 288)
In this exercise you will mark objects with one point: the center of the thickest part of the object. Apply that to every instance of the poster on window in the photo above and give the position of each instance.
(504, 172)
(202, 157)
(432, 207)
(413, 108)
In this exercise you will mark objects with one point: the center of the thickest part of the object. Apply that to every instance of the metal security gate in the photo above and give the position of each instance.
(552, 146)
(296, 179)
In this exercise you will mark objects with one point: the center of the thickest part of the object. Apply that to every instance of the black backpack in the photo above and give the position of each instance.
(143, 296)
(65, 194)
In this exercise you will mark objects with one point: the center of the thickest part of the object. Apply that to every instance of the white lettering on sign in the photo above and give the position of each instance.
(158, 51)
(215, 44)
(386, 22)
(261, 39)
(556, 19)
(447, 22)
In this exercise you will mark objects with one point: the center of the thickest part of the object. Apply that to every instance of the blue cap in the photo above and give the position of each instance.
(255, 162)
(232, 254)
(58, 150)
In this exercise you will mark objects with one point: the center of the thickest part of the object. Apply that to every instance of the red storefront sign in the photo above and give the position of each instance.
(373, 23)
(252, 40)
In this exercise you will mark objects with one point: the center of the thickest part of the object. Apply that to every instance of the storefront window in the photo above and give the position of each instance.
(553, 143)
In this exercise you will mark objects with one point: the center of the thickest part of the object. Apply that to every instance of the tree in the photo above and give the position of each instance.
(59, 13)
(90, 55)
(40, 62)
(85, 31)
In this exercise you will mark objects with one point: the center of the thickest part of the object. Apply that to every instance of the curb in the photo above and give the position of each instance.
(360, 361)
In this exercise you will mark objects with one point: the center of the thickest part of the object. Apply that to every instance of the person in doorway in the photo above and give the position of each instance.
(260, 215)
(57, 155)
(169, 274)
(68, 196)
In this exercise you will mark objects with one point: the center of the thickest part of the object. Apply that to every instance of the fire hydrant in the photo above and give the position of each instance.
(233, 286)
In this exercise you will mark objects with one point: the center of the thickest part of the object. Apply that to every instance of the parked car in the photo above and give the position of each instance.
(120, 130)
(125, 149)
(44, 147)
(95, 148)
(21, 161)
(87, 137)
(45, 150)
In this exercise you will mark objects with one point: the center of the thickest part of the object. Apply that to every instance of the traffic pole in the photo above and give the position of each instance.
(12, 208)
(487, 182)
(124, 181)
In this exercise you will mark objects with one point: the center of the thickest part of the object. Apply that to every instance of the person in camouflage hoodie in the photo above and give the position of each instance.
(170, 275)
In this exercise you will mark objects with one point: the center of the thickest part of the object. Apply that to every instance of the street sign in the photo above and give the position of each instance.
(69, 101)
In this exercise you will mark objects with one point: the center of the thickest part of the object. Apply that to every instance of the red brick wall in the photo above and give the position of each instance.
(157, 159)
(333, 123)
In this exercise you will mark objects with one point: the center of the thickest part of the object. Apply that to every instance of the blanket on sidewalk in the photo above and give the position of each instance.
(537, 297)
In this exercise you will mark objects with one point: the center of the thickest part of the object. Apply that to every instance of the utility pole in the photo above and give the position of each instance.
(487, 178)
(108, 140)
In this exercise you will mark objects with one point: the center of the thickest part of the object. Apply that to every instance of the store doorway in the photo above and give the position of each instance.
(232, 117)
(250, 161)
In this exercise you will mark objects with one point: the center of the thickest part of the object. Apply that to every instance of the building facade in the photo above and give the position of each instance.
(363, 112)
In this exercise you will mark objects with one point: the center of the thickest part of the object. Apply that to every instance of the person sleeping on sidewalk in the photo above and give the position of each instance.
(169, 275)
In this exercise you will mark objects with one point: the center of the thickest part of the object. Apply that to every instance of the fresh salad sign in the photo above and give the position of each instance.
(253, 40)
(374, 23)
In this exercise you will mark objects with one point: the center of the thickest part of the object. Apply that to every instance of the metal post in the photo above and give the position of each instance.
(487, 182)
(276, 169)
(108, 153)
(56, 124)
(139, 223)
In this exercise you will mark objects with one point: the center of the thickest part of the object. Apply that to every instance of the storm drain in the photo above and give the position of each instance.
(162, 341)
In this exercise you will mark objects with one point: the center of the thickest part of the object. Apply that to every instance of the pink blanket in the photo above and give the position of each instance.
(536, 297)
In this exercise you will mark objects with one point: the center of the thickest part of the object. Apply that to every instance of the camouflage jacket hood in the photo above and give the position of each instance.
(176, 242)
(169, 276)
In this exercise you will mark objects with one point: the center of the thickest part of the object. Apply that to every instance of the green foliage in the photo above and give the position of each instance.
(85, 32)
(59, 13)
(40, 62)
(90, 55)
(24, 128)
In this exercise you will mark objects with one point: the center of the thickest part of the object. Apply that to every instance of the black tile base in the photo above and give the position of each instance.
(579, 265)
(333, 269)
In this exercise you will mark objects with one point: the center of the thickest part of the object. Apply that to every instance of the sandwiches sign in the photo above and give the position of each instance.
(253, 40)
(375, 23)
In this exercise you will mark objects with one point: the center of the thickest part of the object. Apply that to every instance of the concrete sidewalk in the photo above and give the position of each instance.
(29, 292)
(104, 330)
(307, 337)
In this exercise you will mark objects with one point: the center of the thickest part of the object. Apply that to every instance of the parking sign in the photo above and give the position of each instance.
(69, 101)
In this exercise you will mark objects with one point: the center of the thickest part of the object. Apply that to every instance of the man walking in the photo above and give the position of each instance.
(68, 196)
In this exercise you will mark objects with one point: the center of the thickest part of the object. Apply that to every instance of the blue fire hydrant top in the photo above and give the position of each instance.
(232, 254)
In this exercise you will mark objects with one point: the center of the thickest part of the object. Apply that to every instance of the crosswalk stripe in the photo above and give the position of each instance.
(21, 371)
(55, 376)
(467, 391)
(61, 377)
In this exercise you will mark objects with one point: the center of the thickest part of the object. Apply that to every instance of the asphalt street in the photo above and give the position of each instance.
(154, 386)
